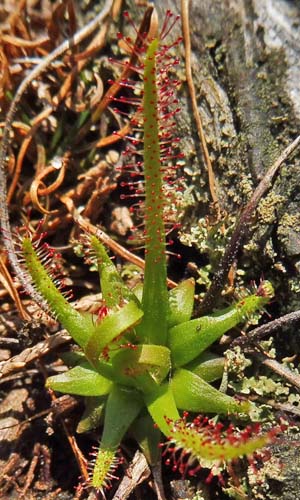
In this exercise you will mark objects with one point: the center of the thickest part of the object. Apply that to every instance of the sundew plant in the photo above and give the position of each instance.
(143, 364)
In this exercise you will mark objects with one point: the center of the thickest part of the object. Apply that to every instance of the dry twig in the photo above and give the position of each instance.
(21, 361)
(262, 331)
(136, 473)
(280, 369)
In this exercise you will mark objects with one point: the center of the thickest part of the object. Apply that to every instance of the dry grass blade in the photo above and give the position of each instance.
(31, 354)
(36, 190)
(9, 285)
(17, 172)
(197, 117)
(20, 42)
(81, 60)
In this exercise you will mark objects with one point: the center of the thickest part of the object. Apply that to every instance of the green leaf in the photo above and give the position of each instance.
(114, 290)
(142, 359)
(148, 437)
(181, 302)
(82, 380)
(113, 325)
(122, 407)
(72, 358)
(138, 291)
(192, 393)
(162, 407)
(212, 446)
(103, 468)
(153, 329)
(208, 366)
(189, 339)
(92, 415)
(79, 326)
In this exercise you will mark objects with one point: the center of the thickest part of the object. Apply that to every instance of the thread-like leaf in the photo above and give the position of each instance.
(210, 445)
(104, 466)
(114, 290)
(155, 295)
(123, 406)
(79, 326)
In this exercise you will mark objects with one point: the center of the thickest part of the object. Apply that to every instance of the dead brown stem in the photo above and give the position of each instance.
(270, 328)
